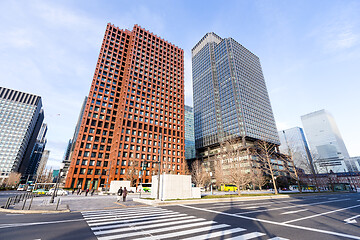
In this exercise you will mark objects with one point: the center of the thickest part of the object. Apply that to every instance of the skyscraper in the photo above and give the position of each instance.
(293, 143)
(230, 95)
(36, 154)
(134, 112)
(190, 151)
(327, 146)
(71, 144)
(21, 117)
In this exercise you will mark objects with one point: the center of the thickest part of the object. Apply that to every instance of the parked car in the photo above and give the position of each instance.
(22, 187)
(59, 191)
(41, 191)
(30, 188)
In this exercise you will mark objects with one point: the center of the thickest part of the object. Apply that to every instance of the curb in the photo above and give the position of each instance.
(202, 201)
(32, 211)
(215, 200)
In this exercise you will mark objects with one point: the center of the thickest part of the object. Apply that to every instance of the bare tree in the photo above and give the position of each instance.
(220, 176)
(239, 175)
(131, 174)
(233, 165)
(186, 168)
(290, 167)
(199, 175)
(13, 179)
(258, 178)
(265, 151)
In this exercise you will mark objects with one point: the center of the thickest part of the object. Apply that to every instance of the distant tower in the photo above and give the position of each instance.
(293, 142)
(190, 151)
(36, 154)
(21, 117)
(327, 146)
(230, 95)
(71, 144)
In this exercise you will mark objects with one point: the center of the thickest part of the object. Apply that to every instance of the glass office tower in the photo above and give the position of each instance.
(190, 151)
(327, 146)
(21, 117)
(293, 143)
(230, 95)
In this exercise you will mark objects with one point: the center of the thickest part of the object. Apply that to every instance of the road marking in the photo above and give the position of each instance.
(132, 234)
(168, 219)
(186, 232)
(37, 223)
(216, 234)
(274, 223)
(278, 238)
(167, 226)
(294, 206)
(14, 214)
(252, 204)
(301, 210)
(332, 198)
(127, 218)
(123, 214)
(321, 214)
(120, 204)
(248, 236)
(257, 206)
(141, 227)
(351, 220)
(135, 220)
(119, 209)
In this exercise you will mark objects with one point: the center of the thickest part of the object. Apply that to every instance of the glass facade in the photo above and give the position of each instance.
(230, 95)
(190, 151)
(326, 144)
(19, 114)
(293, 141)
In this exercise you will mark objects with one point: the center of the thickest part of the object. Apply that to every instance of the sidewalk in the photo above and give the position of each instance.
(73, 203)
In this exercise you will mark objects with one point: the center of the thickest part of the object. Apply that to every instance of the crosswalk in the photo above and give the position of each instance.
(147, 223)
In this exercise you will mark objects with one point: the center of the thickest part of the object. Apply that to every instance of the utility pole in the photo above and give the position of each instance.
(57, 183)
(107, 180)
(159, 169)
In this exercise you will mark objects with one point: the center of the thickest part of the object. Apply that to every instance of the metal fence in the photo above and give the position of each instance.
(18, 198)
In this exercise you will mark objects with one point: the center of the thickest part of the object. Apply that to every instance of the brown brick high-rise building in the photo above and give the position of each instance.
(136, 101)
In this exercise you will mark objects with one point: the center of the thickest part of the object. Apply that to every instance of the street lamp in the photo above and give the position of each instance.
(57, 183)
(211, 184)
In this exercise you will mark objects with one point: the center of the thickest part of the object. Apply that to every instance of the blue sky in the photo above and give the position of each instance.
(309, 51)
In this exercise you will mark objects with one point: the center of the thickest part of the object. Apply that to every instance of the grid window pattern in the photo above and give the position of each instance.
(135, 102)
(230, 95)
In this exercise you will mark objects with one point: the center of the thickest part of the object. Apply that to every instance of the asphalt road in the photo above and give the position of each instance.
(312, 217)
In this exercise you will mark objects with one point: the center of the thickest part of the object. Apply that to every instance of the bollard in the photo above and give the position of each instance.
(23, 205)
(7, 203)
(31, 202)
(57, 205)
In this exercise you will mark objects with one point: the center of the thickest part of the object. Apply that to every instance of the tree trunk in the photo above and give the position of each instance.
(274, 184)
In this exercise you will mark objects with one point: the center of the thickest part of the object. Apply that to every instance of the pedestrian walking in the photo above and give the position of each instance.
(86, 192)
(92, 192)
(124, 194)
(78, 191)
(120, 192)
(73, 191)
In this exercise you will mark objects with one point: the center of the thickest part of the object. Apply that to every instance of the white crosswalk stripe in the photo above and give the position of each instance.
(156, 223)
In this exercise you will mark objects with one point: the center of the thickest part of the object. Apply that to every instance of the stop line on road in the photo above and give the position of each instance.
(157, 223)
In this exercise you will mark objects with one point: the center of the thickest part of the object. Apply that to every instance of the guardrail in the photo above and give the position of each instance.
(18, 198)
